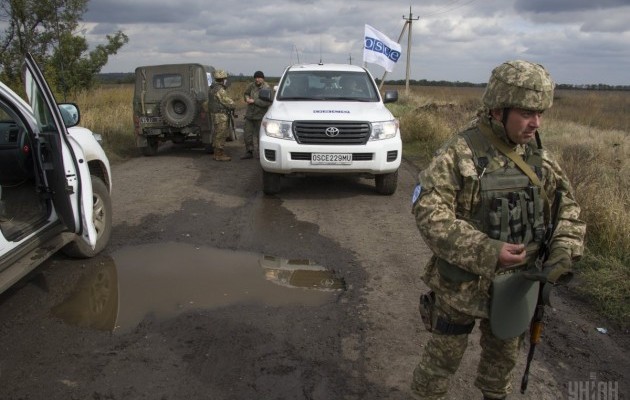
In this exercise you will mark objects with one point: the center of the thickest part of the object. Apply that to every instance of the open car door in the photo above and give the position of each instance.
(65, 175)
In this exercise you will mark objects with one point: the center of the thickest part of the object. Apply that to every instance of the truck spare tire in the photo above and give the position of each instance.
(178, 108)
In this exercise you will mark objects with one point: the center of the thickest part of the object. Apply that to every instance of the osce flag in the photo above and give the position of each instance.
(379, 49)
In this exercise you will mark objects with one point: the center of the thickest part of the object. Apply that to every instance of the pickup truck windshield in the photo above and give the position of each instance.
(327, 85)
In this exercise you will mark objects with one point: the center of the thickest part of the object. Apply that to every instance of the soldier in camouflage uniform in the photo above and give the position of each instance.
(220, 104)
(484, 218)
(256, 109)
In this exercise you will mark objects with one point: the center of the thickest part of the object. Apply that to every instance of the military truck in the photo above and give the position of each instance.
(170, 104)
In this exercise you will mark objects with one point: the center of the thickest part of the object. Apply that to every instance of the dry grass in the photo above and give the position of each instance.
(595, 161)
(588, 131)
(108, 110)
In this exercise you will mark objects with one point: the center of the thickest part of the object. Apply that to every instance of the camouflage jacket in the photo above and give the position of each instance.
(219, 102)
(259, 107)
(449, 196)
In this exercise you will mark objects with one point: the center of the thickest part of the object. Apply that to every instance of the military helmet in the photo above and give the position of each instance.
(220, 74)
(519, 84)
(259, 74)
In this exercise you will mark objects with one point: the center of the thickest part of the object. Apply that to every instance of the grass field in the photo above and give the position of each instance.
(588, 131)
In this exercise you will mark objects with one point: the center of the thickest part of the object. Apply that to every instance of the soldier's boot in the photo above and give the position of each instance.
(219, 155)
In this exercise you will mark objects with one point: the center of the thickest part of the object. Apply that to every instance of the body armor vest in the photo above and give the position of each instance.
(511, 208)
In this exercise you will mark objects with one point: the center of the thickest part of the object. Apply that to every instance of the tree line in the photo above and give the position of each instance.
(50, 30)
(424, 82)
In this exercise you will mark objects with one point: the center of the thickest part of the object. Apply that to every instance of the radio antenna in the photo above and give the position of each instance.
(320, 49)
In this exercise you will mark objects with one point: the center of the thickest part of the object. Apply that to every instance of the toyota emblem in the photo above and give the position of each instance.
(332, 131)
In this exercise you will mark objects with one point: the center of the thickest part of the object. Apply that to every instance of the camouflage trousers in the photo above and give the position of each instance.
(221, 132)
(443, 354)
(251, 130)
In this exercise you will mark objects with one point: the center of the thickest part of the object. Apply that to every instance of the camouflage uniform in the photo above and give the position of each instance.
(447, 216)
(219, 106)
(254, 114)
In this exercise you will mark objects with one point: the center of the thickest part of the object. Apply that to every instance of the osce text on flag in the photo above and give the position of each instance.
(380, 47)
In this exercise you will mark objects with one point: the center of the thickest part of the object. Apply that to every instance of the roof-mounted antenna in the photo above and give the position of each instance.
(320, 50)
(297, 54)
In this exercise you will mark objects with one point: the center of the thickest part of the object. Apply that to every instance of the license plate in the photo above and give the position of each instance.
(331, 158)
(150, 120)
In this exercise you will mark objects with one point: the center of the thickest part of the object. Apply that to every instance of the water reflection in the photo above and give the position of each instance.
(168, 279)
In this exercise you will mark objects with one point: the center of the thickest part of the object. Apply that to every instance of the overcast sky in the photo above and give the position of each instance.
(579, 41)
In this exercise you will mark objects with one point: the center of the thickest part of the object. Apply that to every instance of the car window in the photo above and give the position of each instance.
(4, 116)
(41, 111)
(327, 85)
(11, 130)
(167, 81)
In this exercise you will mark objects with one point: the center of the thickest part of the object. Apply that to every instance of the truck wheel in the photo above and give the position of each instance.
(178, 108)
(271, 182)
(102, 217)
(386, 183)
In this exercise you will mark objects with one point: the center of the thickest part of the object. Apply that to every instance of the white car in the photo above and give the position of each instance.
(55, 181)
(329, 118)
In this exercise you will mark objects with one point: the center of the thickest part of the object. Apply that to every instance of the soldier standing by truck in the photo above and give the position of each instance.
(485, 206)
(256, 109)
(220, 105)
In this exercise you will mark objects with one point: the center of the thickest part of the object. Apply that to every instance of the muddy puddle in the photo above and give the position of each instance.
(167, 279)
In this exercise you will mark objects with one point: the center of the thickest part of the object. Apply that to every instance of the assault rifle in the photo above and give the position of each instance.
(231, 113)
(536, 326)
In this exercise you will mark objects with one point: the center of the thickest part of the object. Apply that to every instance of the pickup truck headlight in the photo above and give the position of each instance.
(278, 129)
(384, 130)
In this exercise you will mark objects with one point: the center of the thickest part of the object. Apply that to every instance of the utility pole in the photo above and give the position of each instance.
(408, 21)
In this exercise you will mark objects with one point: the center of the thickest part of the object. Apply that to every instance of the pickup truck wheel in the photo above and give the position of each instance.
(151, 149)
(178, 108)
(102, 218)
(386, 183)
(271, 182)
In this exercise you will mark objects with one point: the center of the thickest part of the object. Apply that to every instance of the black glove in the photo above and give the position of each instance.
(556, 270)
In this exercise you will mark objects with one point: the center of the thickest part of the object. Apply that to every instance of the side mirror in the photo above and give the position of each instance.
(391, 96)
(70, 114)
(265, 94)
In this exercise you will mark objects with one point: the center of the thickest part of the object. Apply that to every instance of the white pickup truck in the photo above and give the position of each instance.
(329, 118)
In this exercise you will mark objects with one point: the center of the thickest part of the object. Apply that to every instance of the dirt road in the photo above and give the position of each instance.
(202, 295)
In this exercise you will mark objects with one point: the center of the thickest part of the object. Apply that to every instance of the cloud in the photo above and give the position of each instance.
(563, 6)
(453, 40)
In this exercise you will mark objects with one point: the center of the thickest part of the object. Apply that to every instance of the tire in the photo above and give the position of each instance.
(272, 183)
(178, 109)
(386, 184)
(102, 217)
(151, 149)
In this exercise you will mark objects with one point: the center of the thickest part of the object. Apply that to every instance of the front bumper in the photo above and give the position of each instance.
(287, 156)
